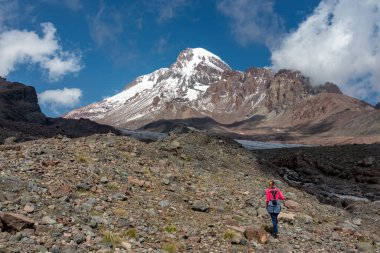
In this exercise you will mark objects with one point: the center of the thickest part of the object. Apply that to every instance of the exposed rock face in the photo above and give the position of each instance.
(377, 106)
(199, 85)
(21, 117)
(16, 222)
(19, 103)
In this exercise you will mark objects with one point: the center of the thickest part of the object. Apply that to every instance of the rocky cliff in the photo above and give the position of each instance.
(19, 103)
(21, 117)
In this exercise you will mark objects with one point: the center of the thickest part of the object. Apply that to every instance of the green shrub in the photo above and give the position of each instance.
(170, 229)
(170, 248)
(131, 233)
(110, 237)
(229, 234)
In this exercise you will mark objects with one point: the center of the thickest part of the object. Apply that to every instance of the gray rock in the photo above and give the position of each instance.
(55, 249)
(79, 238)
(119, 196)
(164, 203)
(10, 184)
(364, 247)
(200, 206)
(251, 202)
(262, 212)
(40, 248)
(32, 186)
(48, 221)
(291, 195)
(104, 180)
(83, 186)
(10, 140)
(166, 181)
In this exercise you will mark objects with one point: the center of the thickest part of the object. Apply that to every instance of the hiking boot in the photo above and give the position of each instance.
(275, 236)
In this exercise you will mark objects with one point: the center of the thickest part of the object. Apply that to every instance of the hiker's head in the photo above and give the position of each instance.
(271, 183)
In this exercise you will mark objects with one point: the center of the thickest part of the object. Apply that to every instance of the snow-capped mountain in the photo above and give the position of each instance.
(195, 85)
(201, 85)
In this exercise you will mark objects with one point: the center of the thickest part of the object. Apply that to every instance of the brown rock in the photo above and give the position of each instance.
(293, 205)
(16, 221)
(287, 217)
(59, 191)
(256, 234)
(239, 229)
(236, 239)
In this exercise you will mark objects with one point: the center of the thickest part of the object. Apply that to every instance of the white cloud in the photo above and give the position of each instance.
(106, 26)
(339, 42)
(253, 20)
(66, 98)
(73, 5)
(168, 9)
(27, 47)
(8, 10)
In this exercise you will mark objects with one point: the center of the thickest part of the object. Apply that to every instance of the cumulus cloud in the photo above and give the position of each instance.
(253, 21)
(339, 42)
(65, 98)
(27, 47)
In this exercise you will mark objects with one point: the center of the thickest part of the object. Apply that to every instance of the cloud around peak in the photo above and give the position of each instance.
(18, 47)
(339, 42)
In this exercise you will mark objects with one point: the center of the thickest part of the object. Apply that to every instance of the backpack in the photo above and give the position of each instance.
(274, 201)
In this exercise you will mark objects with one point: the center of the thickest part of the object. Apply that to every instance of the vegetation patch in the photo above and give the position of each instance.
(111, 237)
(170, 247)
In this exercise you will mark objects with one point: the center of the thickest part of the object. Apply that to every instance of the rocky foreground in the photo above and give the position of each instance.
(186, 193)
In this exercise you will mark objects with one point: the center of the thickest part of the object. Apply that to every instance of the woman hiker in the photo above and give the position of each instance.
(273, 205)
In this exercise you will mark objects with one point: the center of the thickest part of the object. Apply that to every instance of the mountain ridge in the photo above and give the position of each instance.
(200, 84)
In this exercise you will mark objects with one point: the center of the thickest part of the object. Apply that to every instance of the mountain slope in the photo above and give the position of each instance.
(201, 85)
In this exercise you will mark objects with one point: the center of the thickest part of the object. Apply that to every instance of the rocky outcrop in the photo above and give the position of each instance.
(21, 117)
(19, 103)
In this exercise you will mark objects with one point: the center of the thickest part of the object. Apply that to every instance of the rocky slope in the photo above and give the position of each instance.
(337, 174)
(21, 117)
(254, 102)
(187, 193)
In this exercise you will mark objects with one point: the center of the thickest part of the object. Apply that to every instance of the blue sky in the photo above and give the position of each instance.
(78, 52)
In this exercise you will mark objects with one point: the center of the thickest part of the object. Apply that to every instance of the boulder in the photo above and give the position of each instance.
(236, 239)
(58, 191)
(286, 217)
(262, 212)
(293, 205)
(200, 206)
(16, 221)
(257, 234)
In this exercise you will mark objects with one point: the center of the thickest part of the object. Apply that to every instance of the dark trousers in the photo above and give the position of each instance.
(274, 221)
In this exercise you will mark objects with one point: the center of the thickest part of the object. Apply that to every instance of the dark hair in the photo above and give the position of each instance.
(271, 182)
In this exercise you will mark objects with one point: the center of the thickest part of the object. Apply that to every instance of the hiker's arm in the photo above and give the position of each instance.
(280, 196)
(267, 198)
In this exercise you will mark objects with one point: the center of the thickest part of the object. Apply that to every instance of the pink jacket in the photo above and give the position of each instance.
(269, 195)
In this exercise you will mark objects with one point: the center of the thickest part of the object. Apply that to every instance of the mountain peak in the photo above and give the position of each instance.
(192, 58)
